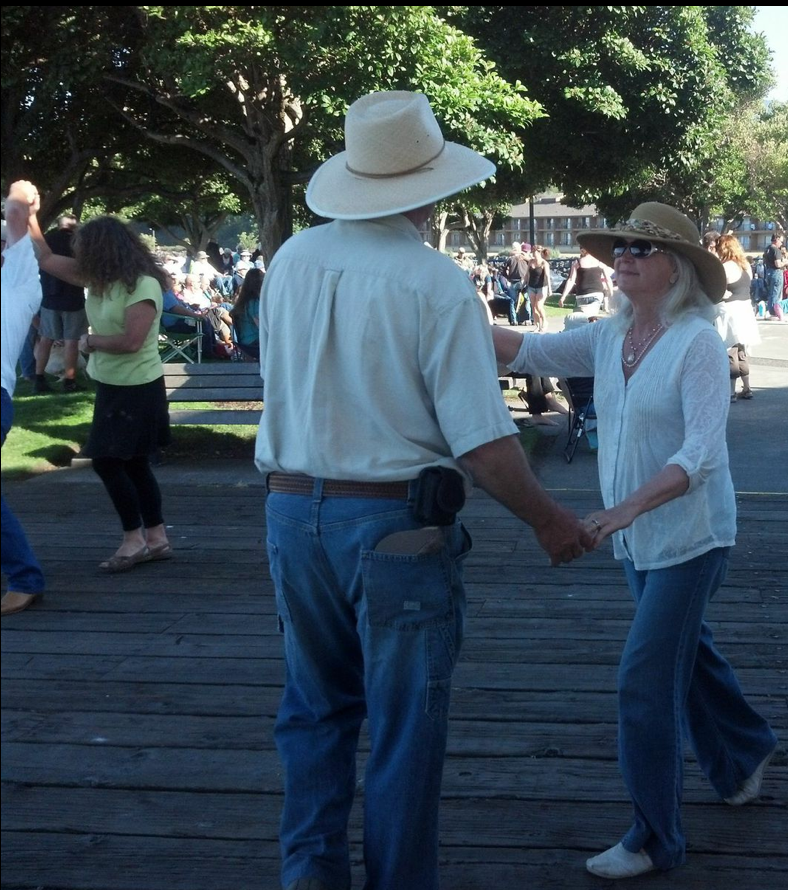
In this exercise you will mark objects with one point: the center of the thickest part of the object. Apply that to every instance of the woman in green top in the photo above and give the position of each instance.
(130, 419)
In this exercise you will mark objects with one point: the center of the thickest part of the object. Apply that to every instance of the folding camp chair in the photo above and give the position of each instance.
(185, 346)
(579, 392)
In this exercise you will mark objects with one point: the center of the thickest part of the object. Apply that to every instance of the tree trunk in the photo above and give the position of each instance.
(272, 210)
(477, 227)
(438, 230)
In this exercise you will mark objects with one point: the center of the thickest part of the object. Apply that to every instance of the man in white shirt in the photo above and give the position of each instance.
(381, 403)
(201, 267)
(21, 300)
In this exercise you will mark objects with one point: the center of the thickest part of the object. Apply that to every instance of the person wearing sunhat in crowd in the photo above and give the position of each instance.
(364, 542)
(662, 396)
(201, 265)
(240, 269)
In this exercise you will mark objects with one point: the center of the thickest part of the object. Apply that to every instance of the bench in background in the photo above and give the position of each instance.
(236, 383)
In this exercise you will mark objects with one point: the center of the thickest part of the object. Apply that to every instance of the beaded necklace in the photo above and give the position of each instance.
(636, 351)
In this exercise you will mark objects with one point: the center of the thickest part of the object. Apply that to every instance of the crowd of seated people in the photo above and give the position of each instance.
(229, 314)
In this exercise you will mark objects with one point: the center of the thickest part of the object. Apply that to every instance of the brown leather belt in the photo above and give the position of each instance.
(284, 483)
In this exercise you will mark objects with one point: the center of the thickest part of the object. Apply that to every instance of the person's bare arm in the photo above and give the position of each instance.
(22, 201)
(507, 344)
(671, 482)
(501, 469)
(183, 309)
(63, 267)
(570, 283)
(137, 324)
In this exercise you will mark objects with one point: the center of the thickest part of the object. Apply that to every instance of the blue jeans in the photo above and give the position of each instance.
(673, 683)
(515, 290)
(27, 358)
(774, 287)
(372, 635)
(19, 563)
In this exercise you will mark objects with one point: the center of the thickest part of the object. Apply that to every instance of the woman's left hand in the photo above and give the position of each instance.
(602, 523)
(83, 344)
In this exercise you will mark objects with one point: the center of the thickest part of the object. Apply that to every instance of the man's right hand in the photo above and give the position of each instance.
(563, 537)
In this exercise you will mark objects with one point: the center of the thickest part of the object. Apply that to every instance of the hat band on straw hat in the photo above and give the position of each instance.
(646, 227)
(415, 169)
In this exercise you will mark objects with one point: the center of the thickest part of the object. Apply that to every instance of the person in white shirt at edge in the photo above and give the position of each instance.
(662, 396)
(381, 405)
(21, 300)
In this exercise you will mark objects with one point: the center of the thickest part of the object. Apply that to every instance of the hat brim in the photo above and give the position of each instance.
(710, 270)
(336, 193)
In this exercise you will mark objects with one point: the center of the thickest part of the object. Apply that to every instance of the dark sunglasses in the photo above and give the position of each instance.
(639, 249)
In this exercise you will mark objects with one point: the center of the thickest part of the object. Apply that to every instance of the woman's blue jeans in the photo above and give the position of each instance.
(19, 563)
(674, 684)
(366, 634)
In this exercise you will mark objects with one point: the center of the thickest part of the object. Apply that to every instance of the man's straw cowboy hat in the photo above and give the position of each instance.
(396, 159)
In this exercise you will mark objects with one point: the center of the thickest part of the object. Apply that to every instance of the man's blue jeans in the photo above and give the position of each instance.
(372, 635)
(19, 563)
(774, 287)
(673, 683)
(515, 290)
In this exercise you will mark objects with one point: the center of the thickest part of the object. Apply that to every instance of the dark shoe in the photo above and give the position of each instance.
(70, 386)
(17, 602)
(40, 385)
(116, 564)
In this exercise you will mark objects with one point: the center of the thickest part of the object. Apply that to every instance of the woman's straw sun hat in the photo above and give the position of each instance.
(666, 226)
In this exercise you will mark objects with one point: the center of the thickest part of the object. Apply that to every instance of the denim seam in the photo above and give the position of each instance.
(681, 655)
(721, 740)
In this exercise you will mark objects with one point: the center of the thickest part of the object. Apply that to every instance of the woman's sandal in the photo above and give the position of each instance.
(161, 551)
(116, 564)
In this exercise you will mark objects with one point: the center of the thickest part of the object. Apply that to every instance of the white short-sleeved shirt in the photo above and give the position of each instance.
(376, 356)
(673, 410)
(21, 300)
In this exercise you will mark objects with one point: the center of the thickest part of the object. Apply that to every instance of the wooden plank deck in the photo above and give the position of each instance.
(138, 708)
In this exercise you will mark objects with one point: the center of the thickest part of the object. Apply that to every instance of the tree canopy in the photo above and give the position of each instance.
(164, 107)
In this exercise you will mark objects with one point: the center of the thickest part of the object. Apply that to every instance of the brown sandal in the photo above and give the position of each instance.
(161, 551)
(116, 564)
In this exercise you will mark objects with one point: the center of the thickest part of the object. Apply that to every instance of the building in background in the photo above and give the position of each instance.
(557, 227)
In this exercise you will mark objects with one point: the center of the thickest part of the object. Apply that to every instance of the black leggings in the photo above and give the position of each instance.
(133, 489)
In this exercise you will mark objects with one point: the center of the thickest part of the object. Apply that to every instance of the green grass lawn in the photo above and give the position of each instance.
(49, 431)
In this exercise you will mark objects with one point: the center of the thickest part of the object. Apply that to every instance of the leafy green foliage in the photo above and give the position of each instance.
(635, 98)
